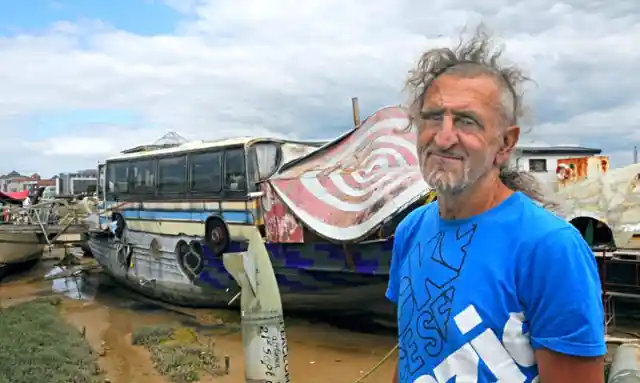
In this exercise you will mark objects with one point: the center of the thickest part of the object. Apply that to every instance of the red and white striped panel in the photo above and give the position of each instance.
(350, 187)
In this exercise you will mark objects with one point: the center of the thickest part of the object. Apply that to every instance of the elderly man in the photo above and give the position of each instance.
(489, 285)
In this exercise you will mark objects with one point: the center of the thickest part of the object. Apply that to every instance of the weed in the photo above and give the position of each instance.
(37, 345)
(149, 335)
(178, 353)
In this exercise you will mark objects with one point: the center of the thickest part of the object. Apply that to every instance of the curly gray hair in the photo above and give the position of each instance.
(477, 57)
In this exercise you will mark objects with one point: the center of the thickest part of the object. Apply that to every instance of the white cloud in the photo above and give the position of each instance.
(290, 68)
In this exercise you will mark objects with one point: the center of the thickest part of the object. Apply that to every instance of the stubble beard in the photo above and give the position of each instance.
(447, 183)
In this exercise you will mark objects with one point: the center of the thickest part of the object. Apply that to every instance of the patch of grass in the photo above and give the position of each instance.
(178, 353)
(37, 345)
(150, 335)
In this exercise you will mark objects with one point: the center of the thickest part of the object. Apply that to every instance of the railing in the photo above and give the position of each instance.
(619, 271)
(44, 213)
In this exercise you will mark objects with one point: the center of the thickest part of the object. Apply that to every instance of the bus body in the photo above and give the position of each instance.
(157, 204)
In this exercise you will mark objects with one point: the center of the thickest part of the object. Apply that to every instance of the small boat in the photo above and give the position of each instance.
(16, 250)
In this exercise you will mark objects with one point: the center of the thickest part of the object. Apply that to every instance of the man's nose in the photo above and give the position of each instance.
(447, 136)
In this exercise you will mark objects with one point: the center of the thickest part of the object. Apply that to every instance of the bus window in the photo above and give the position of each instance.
(172, 174)
(252, 171)
(268, 157)
(206, 172)
(118, 177)
(143, 177)
(234, 170)
(101, 181)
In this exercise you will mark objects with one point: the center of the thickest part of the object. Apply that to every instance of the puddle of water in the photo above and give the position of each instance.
(74, 287)
(108, 313)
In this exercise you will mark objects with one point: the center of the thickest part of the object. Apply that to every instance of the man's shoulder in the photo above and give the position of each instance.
(417, 217)
(542, 229)
(541, 221)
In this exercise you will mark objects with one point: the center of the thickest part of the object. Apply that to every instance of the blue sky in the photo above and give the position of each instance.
(47, 124)
(144, 17)
(84, 79)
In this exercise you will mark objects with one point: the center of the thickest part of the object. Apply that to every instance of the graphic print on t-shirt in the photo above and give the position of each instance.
(439, 340)
(428, 302)
(475, 296)
(502, 359)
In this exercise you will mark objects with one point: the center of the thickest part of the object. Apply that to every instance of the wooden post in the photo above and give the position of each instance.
(356, 112)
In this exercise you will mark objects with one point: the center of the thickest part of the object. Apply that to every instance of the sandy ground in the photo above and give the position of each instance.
(317, 352)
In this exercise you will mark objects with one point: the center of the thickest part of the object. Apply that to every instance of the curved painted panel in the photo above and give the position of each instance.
(348, 188)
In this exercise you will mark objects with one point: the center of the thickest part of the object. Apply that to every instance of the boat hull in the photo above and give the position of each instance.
(311, 277)
(17, 250)
(158, 275)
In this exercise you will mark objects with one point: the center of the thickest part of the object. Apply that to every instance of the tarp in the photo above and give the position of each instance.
(14, 196)
(349, 187)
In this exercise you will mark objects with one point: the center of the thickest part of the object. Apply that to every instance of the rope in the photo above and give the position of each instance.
(380, 363)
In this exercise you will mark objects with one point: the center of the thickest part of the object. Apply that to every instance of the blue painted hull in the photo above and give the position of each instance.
(312, 276)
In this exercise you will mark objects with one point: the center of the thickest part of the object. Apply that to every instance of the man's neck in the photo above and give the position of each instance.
(485, 194)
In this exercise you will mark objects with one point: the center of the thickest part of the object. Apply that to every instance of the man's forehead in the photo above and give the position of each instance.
(453, 82)
(461, 91)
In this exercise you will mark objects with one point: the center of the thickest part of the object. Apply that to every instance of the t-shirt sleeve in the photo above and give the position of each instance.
(393, 289)
(562, 296)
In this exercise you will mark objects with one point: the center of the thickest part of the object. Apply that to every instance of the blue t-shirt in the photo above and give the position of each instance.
(477, 296)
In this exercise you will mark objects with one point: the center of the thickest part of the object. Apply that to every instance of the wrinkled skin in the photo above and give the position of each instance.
(461, 137)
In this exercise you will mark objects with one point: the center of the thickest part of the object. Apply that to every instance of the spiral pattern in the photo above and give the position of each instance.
(344, 191)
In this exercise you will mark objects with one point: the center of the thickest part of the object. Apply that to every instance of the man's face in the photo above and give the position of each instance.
(460, 136)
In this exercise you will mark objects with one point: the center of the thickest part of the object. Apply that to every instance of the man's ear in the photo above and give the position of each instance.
(509, 141)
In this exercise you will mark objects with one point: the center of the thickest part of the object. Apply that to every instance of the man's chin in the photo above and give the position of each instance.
(439, 177)
(445, 188)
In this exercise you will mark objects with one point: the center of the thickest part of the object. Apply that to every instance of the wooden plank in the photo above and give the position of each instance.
(622, 295)
(617, 255)
(620, 340)
(74, 271)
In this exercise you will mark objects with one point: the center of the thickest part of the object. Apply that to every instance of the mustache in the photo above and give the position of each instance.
(424, 153)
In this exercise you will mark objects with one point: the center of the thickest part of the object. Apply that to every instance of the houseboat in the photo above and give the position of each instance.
(603, 203)
(326, 213)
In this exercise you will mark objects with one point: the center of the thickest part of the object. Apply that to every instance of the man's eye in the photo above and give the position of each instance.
(465, 121)
(433, 117)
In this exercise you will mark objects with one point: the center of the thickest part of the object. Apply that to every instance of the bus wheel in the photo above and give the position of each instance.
(216, 236)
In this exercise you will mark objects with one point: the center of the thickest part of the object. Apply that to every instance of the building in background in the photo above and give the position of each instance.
(542, 159)
(77, 182)
(16, 182)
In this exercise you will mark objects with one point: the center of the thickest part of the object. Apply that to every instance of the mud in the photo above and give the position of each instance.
(107, 314)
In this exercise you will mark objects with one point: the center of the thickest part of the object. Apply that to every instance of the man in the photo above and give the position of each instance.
(489, 285)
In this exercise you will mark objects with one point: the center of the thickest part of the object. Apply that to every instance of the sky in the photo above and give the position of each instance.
(81, 80)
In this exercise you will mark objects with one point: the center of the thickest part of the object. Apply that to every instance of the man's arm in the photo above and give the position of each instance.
(562, 297)
(555, 367)
(392, 292)
(397, 257)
